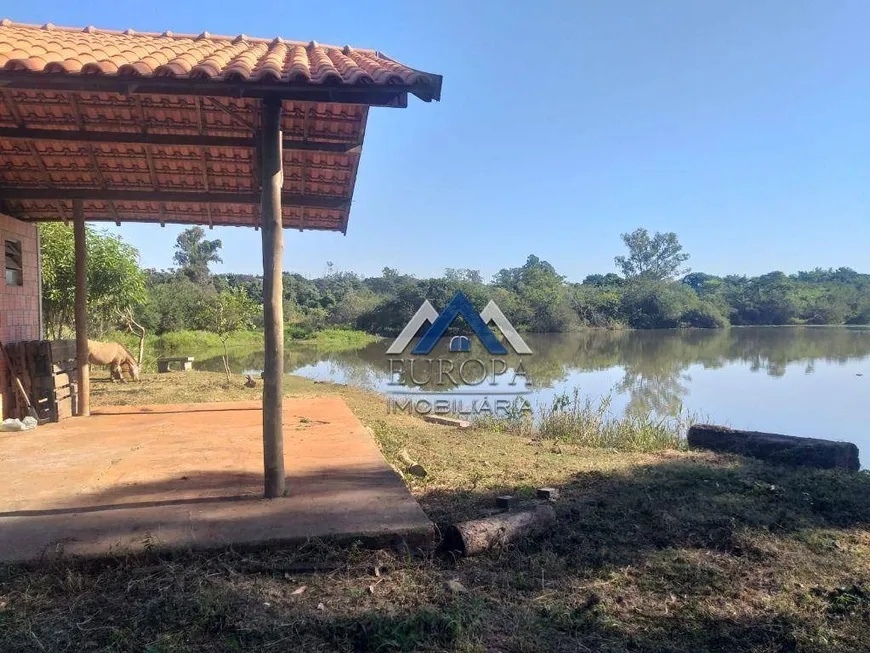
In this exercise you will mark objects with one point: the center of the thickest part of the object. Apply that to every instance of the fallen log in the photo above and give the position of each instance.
(776, 448)
(411, 465)
(447, 421)
(479, 535)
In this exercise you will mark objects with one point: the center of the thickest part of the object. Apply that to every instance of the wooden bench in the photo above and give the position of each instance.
(186, 363)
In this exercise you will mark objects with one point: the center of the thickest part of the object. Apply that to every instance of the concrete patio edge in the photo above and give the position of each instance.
(189, 477)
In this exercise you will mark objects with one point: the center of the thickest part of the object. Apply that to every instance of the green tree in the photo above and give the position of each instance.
(459, 275)
(657, 259)
(173, 303)
(115, 281)
(193, 253)
(603, 280)
(226, 313)
(542, 304)
(597, 305)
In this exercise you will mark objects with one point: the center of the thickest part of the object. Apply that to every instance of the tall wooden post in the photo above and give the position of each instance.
(273, 298)
(81, 310)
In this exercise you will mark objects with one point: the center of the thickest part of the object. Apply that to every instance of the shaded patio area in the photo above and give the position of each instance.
(104, 125)
(190, 476)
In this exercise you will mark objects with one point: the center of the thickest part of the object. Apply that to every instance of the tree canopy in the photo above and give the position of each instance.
(226, 313)
(193, 253)
(658, 258)
(115, 280)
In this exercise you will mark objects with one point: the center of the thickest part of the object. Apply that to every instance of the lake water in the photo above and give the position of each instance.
(807, 381)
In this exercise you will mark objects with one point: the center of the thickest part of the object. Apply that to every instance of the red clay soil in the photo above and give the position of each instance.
(178, 476)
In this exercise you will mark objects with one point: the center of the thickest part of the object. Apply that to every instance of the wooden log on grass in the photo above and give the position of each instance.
(776, 448)
(411, 465)
(479, 535)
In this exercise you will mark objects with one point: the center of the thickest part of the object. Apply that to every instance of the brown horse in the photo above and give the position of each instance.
(115, 356)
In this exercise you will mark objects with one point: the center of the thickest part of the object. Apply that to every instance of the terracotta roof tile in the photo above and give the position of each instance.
(179, 147)
(92, 51)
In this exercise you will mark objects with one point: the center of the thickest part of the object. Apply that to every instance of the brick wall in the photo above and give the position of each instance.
(19, 305)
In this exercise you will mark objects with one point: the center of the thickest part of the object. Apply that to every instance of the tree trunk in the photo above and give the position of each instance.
(137, 330)
(272, 175)
(479, 535)
(226, 361)
(776, 448)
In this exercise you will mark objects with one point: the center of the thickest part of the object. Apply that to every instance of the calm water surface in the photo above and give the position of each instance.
(804, 381)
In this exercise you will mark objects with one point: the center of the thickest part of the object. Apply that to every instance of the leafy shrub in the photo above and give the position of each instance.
(703, 316)
(298, 331)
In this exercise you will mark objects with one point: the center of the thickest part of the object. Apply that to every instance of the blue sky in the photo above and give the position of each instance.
(742, 126)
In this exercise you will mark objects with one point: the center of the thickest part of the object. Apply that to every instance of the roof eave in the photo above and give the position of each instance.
(429, 92)
(389, 95)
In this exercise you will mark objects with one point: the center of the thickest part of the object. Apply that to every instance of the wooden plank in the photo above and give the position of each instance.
(66, 367)
(62, 350)
(64, 408)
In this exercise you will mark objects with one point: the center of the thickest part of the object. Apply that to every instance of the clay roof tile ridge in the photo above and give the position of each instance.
(94, 31)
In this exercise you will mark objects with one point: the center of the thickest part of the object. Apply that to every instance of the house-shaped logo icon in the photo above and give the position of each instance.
(460, 344)
(478, 322)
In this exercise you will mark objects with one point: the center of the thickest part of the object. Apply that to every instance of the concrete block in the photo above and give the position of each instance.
(548, 493)
(506, 502)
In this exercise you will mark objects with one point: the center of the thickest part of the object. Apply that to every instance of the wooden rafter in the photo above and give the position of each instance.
(203, 157)
(306, 121)
(34, 152)
(149, 158)
(232, 114)
(95, 164)
(355, 164)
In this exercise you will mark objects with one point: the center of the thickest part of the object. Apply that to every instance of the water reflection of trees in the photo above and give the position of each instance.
(655, 363)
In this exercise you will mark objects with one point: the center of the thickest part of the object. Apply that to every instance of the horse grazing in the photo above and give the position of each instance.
(115, 356)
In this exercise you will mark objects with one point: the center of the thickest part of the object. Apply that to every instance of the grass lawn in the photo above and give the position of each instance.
(204, 344)
(673, 551)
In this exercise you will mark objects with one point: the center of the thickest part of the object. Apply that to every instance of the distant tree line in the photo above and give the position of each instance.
(651, 289)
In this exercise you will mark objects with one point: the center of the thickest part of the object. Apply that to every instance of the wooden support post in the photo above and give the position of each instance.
(81, 311)
(273, 298)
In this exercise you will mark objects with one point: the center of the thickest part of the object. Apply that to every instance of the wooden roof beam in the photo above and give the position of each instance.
(394, 95)
(139, 138)
(189, 197)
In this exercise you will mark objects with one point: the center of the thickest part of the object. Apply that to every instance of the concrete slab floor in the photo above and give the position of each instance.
(190, 476)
